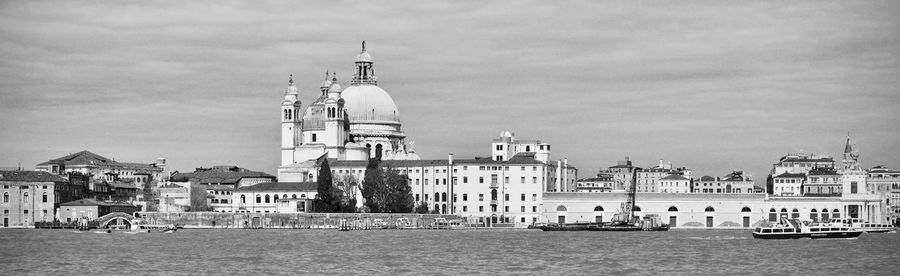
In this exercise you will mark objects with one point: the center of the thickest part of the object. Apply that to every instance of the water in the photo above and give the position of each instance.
(382, 252)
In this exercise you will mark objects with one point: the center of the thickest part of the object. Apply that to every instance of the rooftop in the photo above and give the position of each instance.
(281, 186)
(93, 202)
(30, 176)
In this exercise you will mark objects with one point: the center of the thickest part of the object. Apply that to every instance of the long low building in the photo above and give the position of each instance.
(707, 210)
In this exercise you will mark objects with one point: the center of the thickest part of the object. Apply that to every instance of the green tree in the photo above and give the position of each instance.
(198, 196)
(327, 198)
(421, 208)
(374, 191)
(399, 198)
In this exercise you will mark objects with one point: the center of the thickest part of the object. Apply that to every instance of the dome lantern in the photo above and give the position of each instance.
(364, 72)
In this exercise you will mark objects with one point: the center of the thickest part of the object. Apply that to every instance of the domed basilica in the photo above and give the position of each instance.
(358, 122)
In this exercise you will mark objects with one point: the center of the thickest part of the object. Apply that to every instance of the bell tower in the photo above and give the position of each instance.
(364, 73)
(290, 123)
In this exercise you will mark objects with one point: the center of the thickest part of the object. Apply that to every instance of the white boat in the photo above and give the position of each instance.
(794, 229)
(864, 226)
(404, 223)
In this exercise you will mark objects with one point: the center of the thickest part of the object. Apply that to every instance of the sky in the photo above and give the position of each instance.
(714, 86)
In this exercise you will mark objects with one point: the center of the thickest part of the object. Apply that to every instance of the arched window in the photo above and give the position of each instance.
(44, 198)
(444, 197)
(437, 207)
(378, 150)
(303, 196)
(673, 209)
(26, 197)
(598, 209)
(267, 199)
(709, 209)
(784, 210)
(5, 197)
(294, 196)
(276, 198)
(493, 194)
(284, 196)
(561, 208)
(773, 216)
(437, 196)
(243, 199)
(747, 209)
(527, 148)
(637, 208)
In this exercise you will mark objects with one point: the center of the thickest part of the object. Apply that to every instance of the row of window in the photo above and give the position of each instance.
(25, 187)
(562, 208)
(267, 198)
(24, 197)
(494, 209)
(465, 197)
(465, 168)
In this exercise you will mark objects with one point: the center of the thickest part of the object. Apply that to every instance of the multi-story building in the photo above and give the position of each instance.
(102, 168)
(801, 163)
(272, 197)
(622, 173)
(481, 189)
(28, 196)
(886, 183)
(675, 183)
(733, 183)
(788, 184)
(648, 179)
(822, 182)
(220, 182)
(601, 184)
(174, 197)
(91, 209)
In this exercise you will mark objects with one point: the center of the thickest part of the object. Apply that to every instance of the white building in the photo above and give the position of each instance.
(675, 183)
(354, 123)
(275, 197)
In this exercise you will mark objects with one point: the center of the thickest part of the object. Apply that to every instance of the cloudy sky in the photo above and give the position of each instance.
(713, 86)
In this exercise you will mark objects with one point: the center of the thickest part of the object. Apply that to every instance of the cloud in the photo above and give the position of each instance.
(713, 86)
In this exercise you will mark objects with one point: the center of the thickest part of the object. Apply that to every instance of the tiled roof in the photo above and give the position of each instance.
(791, 175)
(820, 171)
(121, 185)
(281, 186)
(30, 176)
(87, 158)
(674, 177)
(217, 176)
(92, 202)
(707, 178)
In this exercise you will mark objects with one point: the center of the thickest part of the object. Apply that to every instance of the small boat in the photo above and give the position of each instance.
(169, 229)
(456, 225)
(404, 223)
(793, 229)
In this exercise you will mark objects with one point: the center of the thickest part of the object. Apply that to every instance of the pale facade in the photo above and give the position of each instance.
(358, 122)
(481, 190)
(27, 197)
(675, 184)
(885, 182)
(603, 183)
(265, 197)
(733, 183)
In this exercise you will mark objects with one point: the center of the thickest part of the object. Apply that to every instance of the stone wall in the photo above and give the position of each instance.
(279, 220)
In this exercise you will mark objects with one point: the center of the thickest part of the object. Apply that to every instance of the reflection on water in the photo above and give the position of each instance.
(441, 252)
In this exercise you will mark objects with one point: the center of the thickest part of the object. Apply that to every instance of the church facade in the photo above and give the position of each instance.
(358, 122)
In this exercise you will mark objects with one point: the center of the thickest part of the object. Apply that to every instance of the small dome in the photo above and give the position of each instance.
(292, 90)
(334, 88)
(506, 134)
(364, 57)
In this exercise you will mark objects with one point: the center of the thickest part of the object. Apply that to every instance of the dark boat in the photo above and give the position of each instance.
(793, 229)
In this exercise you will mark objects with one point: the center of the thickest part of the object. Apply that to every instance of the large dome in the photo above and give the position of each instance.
(369, 103)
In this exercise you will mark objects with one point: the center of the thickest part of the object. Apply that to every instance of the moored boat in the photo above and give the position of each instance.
(793, 229)
(864, 226)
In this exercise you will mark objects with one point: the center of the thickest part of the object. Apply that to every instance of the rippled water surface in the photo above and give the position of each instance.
(27, 251)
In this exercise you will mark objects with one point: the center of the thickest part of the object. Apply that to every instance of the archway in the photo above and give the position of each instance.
(561, 212)
(598, 213)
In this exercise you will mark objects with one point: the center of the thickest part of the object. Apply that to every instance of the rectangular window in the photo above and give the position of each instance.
(534, 209)
(534, 180)
(465, 209)
(465, 197)
(523, 168)
(506, 180)
(506, 209)
(417, 197)
(481, 179)
(523, 209)
(506, 198)
(853, 188)
(533, 197)
(493, 179)
(523, 197)
(481, 208)
(522, 180)
(480, 197)
(465, 179)
(314, 137)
